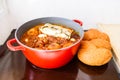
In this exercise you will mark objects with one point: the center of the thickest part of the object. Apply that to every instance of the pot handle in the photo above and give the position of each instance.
(12, 47)
(78, 21)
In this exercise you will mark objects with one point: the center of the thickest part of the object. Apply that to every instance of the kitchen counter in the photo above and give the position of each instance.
(14, 66)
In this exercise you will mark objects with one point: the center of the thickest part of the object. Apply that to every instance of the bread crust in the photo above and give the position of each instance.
(101, 43)
(94, 34)
(95, 49)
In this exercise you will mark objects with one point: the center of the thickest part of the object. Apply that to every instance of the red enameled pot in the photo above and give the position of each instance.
(48, 59)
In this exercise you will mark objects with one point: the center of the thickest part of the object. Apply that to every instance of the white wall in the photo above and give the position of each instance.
(90, 12)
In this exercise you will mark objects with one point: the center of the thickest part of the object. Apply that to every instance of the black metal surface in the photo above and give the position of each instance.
(14, 66)
(4, 46)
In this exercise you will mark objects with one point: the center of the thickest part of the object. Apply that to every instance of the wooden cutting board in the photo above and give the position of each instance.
(113, 30)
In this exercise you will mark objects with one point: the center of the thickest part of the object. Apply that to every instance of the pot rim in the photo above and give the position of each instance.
(34, 49)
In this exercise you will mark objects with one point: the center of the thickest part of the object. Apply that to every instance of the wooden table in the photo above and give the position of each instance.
(14, 66)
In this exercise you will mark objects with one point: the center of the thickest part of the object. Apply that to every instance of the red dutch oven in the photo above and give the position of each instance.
(47, 58)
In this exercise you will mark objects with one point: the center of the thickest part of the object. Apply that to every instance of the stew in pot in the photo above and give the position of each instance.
(49, 37)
